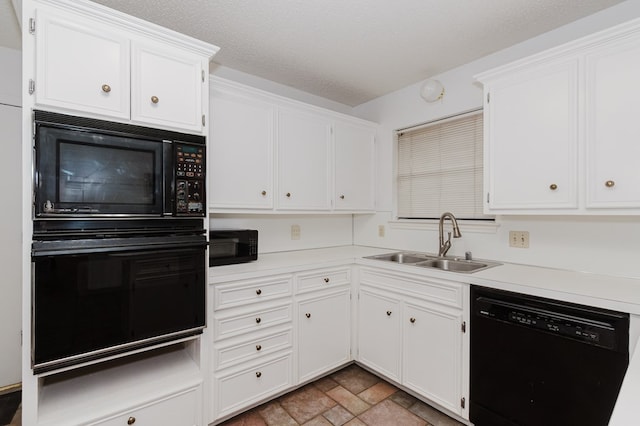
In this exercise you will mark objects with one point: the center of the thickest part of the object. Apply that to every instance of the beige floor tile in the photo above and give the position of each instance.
(348, 400)
(274, 415)
(356, 422)
(306, 403)
(388, 413)
(250, 418)
(377, 392)
(355, 379)
(431, 415)
(318, 421)
(325, 384)
(338, 415)
(403, 399)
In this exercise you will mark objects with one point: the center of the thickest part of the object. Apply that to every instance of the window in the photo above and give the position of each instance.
(440, 169)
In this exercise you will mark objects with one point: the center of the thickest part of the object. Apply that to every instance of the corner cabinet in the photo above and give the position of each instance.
(89, 62)
(561, 129)
(271, 154)
(412, 330)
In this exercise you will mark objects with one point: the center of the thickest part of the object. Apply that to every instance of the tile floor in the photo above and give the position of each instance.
(350, 397)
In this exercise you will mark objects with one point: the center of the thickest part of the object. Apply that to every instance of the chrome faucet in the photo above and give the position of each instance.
(446, 245)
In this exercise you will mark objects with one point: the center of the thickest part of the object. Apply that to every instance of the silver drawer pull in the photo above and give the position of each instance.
(258, 320)
(258, 374)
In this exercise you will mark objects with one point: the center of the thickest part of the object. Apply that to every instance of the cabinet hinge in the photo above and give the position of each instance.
(463, 402)
(203, 120)
(463, 326)
(202, 75)
(488, 97)
(32, 26)
(487, 198)
(32, 86)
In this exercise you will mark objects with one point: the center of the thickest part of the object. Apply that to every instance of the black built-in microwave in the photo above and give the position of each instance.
(229, 246)
(93, 168)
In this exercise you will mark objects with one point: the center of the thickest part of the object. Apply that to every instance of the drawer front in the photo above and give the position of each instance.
(436, 290)
(238, 390)
(233, 324)
(240, 293)
(260, 345)
(320, 280)
(177, 410)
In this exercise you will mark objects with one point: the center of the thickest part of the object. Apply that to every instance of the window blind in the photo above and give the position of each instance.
(440, 169)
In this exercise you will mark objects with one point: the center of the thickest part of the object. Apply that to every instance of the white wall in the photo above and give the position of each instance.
(595, 244)
(10, 218)
(274, 231)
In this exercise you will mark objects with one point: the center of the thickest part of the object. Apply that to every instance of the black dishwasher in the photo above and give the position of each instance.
(538, 361)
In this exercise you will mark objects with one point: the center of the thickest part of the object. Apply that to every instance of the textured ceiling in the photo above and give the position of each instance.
(352, 51)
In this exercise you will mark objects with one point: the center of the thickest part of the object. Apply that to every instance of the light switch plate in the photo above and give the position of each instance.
(519, 239)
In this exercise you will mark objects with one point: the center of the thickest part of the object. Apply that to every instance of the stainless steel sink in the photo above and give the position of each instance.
(402, 257)
(452, 264)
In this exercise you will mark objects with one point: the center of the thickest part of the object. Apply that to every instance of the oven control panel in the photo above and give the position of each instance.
(190, 170)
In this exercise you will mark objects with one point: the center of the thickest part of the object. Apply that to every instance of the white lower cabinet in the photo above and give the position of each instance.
(252, 357)
(268, 337)
(379, 333)
(412, 330)
(239, 388)
(175, 410)
(273, 333)
(324, 335)
(432, 353)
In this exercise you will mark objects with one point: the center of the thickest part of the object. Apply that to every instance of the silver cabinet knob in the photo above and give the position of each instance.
(609, 184)
(106, 89)
(155, 99)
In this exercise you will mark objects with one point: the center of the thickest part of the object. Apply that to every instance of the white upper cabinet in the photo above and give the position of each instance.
(354, 167)
(613, 125)
(93, 62)
(561, 129)
(531, 139)
(167, 87)
(271, 154)
(240, 155)
(81, 66)
(304, 142)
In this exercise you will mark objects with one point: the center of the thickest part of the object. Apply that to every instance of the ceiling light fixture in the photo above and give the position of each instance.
(432, 90)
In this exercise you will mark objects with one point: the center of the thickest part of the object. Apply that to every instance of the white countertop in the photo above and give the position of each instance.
(603, 291)
(609, 292)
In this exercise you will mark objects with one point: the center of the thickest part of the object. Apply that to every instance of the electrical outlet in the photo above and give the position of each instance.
(380, 230)
(519, 239)
(295, 232)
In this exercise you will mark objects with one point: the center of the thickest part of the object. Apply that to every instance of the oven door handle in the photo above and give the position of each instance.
(59, 248)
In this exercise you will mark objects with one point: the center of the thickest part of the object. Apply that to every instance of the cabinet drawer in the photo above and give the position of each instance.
(176, 410)
(240, 389)
(238, 323)
(432, 289)
(323, 279)
(250, 291)
(259, 345)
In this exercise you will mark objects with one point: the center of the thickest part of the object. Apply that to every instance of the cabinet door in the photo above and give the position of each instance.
(303, 161)
(179, 410)
(530, 141)
(613, 127)
(324, 334)
(241, 151)
(81, 65)
(379, 333)
(354, 167)
(166, 88)
(432, 353)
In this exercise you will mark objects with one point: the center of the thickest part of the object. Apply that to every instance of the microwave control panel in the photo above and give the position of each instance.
(190, 170)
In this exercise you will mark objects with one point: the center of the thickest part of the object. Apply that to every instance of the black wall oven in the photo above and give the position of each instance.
(119, 244)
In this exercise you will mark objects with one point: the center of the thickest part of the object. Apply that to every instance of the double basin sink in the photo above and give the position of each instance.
(452, 264)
